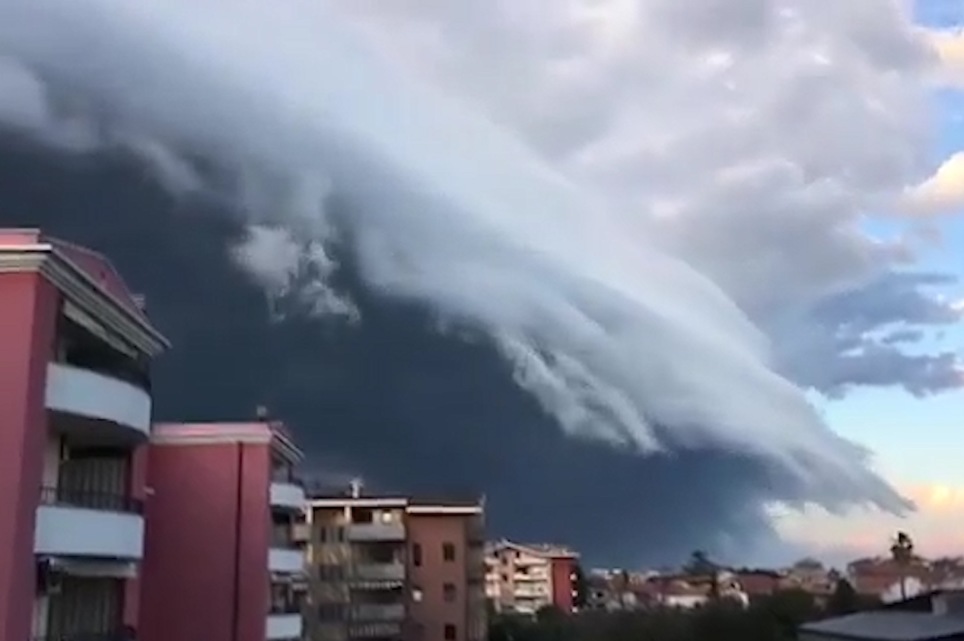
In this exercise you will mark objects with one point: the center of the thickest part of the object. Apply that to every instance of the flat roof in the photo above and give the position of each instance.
(889, 625)
(267, 432)
(411, 504)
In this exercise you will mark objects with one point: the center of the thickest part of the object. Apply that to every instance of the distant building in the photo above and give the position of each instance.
(220, 559)
(75, 395)
(395, 568)
(524, 578)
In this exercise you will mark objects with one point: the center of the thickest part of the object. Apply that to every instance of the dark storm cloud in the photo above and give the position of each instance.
(598, 389)
(389, 398)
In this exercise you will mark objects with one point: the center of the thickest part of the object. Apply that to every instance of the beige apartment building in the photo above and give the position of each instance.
(390, 568)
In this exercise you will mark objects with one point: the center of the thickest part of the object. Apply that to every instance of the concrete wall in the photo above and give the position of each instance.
(205, 574)
(27, 337)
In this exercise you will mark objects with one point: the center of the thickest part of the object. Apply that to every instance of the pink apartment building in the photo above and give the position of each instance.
(220, 560)
(111, 528)
(75, 355)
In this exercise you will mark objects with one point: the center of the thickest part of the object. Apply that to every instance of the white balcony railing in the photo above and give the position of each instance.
(287, 495)
(286, 560)
(283, 626)
(82, 532)
(80, 392)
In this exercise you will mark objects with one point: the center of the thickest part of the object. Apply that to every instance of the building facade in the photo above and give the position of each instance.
(395, 569)
(523, 579)
(75, 396)
(221, 562)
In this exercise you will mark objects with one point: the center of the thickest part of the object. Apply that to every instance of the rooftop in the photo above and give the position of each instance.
(75, 269)
(889, 625)
(354, 496)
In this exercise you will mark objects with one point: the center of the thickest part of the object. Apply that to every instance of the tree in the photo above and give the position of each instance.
(902, 551)
(701, 565)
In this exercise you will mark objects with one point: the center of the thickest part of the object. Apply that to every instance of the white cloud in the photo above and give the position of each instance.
(763, 131)
(941, 193)
(949, 44)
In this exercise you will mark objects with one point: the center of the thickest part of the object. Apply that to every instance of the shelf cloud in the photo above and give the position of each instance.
(586, 257)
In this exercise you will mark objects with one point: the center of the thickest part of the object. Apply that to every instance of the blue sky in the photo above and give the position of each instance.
(917, 442)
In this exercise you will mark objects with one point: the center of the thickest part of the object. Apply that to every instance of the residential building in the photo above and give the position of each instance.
(221, 562)
(394, 568)
(75, 397)
(524, 578)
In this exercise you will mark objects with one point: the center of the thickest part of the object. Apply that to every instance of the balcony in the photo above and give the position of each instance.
(283, 625)
(72, 523)
(375, 612)
(109, 405)
(286, 560)
(361, 532)
(380, 630)
(379, 572)
(287, 495)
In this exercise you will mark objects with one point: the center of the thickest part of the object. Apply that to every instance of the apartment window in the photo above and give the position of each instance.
(451, 634)
(340, 534)
(417, 594)
(322, 534)
(448, 551)
(417, 554)
(448, 592)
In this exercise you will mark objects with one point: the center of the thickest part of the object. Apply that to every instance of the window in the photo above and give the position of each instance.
(448, 592)
(417, 594)
(417, 554)
(450, 632)
(448, 551)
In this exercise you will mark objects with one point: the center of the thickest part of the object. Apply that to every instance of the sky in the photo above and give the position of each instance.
(589, 256)
(916, 440)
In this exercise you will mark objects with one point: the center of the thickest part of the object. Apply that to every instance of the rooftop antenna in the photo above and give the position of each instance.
(356, 485)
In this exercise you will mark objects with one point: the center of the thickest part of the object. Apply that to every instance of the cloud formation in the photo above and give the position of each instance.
(949, 44)
(943, 192)
(747, 139)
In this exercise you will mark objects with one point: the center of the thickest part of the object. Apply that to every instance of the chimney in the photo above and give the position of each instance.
(356, 488)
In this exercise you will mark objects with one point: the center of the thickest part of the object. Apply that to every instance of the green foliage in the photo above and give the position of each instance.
(773, 618)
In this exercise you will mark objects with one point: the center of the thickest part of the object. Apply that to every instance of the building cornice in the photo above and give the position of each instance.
(85, 292)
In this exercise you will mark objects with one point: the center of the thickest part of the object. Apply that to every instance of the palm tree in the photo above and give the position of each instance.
(902, 552)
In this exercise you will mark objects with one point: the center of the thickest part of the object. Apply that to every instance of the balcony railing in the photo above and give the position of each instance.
(378, 612)
(376, 532)
(91, 500)
(378, 571)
